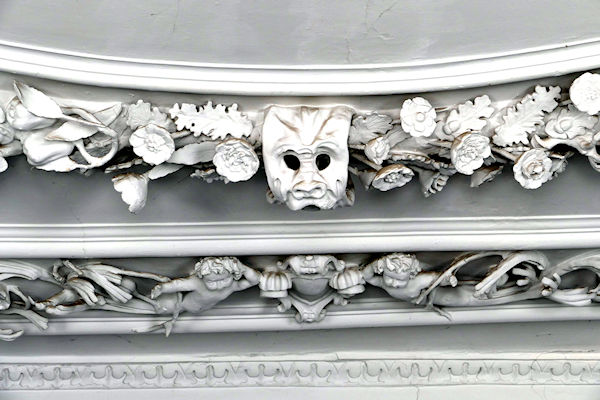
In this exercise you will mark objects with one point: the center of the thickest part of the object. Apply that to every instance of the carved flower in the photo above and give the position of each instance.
(20, 118)
(378, 149)
(40, 151)
(418, 117)
(153, 143)
(569, 123)
(133, 189)
(468, 152)
(391, 177)
(585, 93)
(236, 160)
(533, 168)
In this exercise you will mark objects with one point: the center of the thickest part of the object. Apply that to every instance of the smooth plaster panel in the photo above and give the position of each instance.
(293, 34)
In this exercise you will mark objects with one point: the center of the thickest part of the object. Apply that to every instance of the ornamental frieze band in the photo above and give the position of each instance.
(308, 151)
(305, 284)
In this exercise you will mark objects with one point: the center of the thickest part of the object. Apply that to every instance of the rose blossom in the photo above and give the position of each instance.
(378, 149)
(468, 152)
(20, 118)
(533, 168)
(418, 117)
(569, 123)
(153, 143)
(391, 177)
(585, 93)
(236, 160)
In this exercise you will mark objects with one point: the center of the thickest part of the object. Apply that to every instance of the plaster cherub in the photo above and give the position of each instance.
(213, 280)
(103, 287)
(404, 278)
(401, 275)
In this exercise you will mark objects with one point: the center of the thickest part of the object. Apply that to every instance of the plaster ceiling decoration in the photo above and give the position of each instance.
(533, 137)
(306, 283)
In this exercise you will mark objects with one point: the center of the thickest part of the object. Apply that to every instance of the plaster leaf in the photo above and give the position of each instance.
(215, 122)
(63, 164)
(522, 119)
(469, 117)
(485, 174)
(163, 170)
(71, 131)
(110, 114)
(37, 102)
(194, 153)
(368, 127)
(141, 114)
(432, 182)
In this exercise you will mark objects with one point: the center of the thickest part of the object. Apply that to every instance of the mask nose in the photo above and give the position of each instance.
(309, 189)
(309, 183)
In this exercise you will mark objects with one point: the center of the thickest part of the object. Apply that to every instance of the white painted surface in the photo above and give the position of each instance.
(314, 48)
(88, 219)
(551, 360)
(273, 47)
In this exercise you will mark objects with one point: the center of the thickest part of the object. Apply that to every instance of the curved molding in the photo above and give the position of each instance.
(243, 80)
(285, 237)
(369, 312)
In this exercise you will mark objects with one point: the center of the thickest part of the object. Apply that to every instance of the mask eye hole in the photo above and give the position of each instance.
(322, 161)
(292, 162)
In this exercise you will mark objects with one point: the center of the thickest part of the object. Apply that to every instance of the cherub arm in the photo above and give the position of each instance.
(250, 278)
(370, 277)
(187, 284)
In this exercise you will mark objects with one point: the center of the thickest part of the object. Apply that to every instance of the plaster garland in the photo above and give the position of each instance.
(307, 283)
(307, 151)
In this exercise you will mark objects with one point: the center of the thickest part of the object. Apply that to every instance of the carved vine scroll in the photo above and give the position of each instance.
(308, 151)
(306, 283)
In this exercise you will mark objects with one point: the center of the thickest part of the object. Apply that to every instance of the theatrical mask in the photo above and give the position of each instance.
(305, 153)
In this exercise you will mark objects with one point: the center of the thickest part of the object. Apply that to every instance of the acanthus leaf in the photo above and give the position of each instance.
(523, 118)
(216, 122)
(368, 127)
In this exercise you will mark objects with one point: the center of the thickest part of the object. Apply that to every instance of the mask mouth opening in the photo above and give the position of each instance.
(311, 207)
